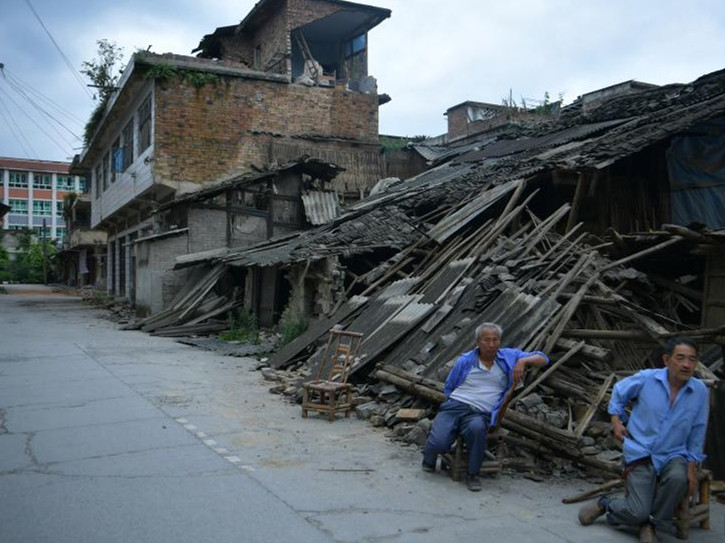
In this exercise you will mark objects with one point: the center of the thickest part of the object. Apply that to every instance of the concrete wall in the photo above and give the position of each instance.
(156, 282)
(207, 229)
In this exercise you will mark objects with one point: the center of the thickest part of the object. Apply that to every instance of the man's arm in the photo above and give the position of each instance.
(696, 441)
(619, 429)
(536, 360)
(622, 393)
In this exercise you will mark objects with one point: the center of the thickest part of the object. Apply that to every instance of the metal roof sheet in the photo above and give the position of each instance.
(320, 207)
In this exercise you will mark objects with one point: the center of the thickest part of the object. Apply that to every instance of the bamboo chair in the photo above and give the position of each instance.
(329, 392)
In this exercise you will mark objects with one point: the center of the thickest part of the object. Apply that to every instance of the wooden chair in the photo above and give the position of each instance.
(456, 461)
(694, 509)
(329, 392)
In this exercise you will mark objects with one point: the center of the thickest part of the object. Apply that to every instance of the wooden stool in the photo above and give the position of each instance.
(456, 461)
(694, 509)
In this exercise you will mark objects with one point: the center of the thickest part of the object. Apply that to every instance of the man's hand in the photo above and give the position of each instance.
(519, 370)
(535, 360)
(618, 429)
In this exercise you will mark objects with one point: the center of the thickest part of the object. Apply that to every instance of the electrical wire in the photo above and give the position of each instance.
(15, 81)
(31, 119)
(49, 116)
(16, 132)
(68, 63)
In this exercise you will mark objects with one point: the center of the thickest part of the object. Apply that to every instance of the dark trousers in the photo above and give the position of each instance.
(456, 417)
(650, 497)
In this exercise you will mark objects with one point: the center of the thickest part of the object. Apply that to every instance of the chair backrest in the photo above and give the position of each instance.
(339, 356)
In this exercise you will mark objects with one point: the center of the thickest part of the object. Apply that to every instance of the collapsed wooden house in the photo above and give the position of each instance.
(594, 237)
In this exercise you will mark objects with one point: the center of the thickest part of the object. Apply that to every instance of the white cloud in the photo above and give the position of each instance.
(428, 56)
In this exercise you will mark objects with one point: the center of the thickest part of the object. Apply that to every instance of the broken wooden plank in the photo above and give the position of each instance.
(582, 426)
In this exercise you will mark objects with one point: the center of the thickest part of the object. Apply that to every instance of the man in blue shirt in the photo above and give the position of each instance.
(476, 388)
(663, 441)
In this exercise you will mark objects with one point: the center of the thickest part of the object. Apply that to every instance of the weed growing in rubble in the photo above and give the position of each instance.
(242, 327)
(291, 324)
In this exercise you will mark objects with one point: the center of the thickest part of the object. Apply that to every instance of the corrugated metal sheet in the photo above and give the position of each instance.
(455, 221)
(321, 207)
(503, 148)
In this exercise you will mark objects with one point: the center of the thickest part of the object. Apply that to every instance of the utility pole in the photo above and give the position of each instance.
(42, 245)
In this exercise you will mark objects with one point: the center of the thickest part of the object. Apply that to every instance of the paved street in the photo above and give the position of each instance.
(117, 436)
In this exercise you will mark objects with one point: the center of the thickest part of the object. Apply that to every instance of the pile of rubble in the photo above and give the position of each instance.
(549, 292)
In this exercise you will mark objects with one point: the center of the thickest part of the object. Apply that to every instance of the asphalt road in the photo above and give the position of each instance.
(116, 436)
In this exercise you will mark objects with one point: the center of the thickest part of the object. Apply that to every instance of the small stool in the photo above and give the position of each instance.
(694, 509)
(456, 461)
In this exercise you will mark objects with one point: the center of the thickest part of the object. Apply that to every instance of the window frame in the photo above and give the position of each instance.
(127, 145)
(42, 185)
(144, 124)
(22, 184)
(18, 212)
(42, 208)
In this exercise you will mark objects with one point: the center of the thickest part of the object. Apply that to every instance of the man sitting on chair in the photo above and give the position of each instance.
(476, 388)
(663, 441)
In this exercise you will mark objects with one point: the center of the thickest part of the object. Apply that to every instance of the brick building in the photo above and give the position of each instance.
(291, 79)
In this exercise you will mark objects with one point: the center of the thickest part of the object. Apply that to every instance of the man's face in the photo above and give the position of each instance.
(681, 363)
(488, 343)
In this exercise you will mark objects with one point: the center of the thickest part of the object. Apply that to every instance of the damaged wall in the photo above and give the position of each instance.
(156, 282)
(212, 132)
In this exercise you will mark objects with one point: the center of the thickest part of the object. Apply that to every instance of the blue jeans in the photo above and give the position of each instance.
(650, 497)
(456, 417)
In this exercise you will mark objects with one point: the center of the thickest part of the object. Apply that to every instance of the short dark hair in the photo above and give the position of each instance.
(675, 341)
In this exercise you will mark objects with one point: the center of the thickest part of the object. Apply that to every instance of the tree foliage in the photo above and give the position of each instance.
(27, 266)
(105, 70)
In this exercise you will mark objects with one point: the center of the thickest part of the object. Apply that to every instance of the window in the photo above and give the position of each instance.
(106, 170)
(18, 206)
(144, 125)
(59, 208)
(18, 179)
(60, 234)
(83, 185)
(65, 182)
(115, 159)
(258, 57)
(42, 181)
(127, 146)
(98, 180)
(42, 207)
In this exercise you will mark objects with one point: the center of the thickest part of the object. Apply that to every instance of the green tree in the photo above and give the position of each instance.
(104, 73)
(105, 70)
(4, 264)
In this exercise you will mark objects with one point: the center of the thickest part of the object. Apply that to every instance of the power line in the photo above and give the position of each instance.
(32, 90)
(64, 149)
(23, 94)
(16, 132)
(68, 63)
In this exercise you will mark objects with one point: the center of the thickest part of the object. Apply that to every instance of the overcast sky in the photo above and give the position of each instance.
(428, 56)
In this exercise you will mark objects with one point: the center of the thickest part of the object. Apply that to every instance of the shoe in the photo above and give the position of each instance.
(590, 512)
(473, 482)
(647, 534)
(429, 468)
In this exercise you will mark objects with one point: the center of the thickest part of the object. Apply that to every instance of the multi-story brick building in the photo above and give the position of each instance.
(291, 79)
(34, 190)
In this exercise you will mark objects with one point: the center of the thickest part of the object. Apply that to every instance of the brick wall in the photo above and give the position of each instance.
(301, 12)
(218, 130)
(271, 35)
